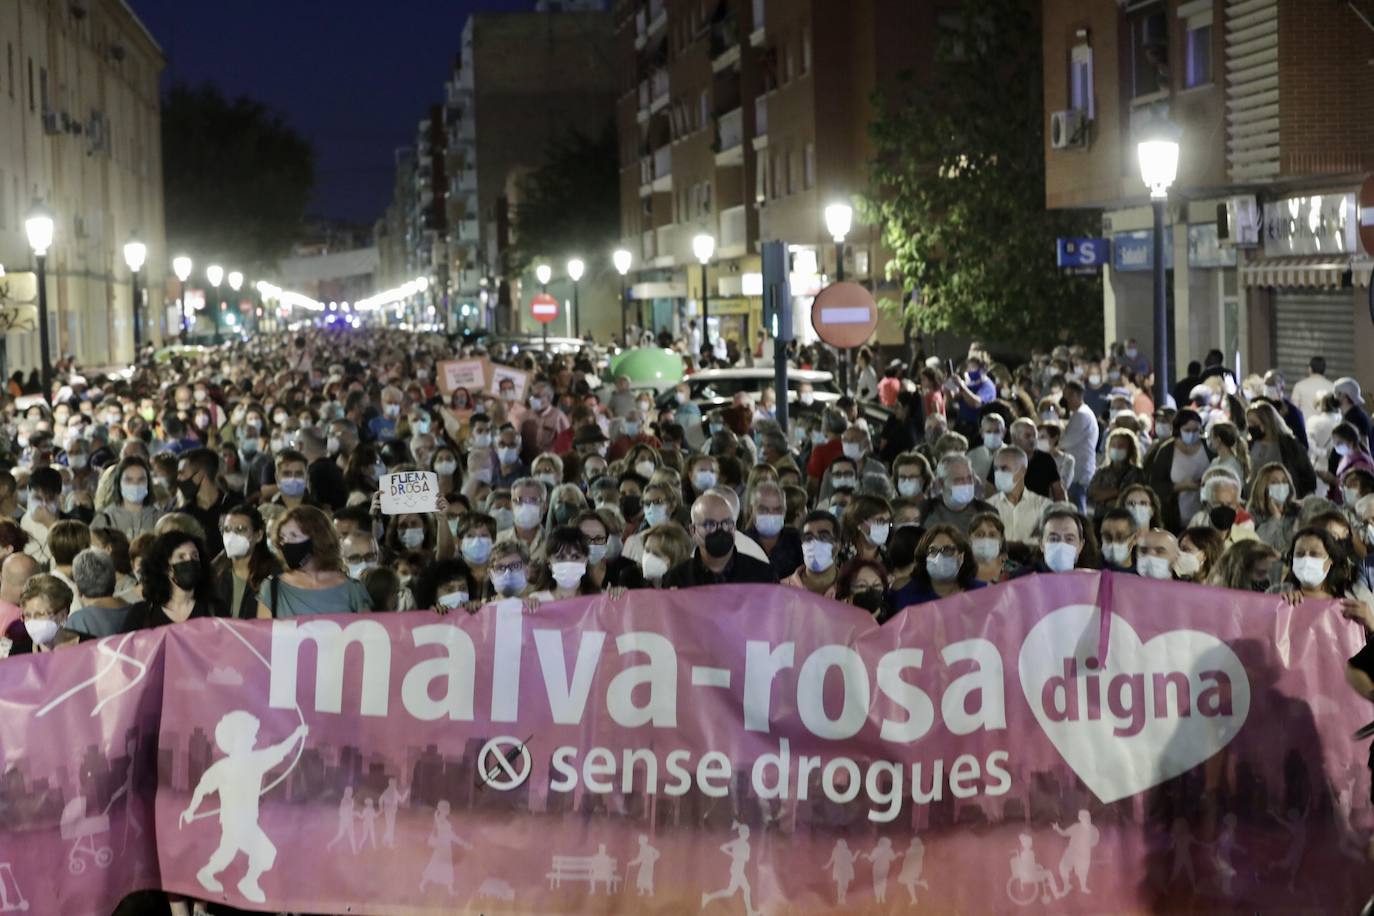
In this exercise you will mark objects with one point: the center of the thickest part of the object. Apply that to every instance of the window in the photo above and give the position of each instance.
(1197, 43)
(1149, 58)
(809, 165)
(1081, 96)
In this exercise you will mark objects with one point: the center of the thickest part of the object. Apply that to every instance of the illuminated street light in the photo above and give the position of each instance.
(622, 259)
(1157, 150)
(703, 246)
(39, 227)
(838, 220)
(181, 266)
(543, 273)
(215, 274)
(576, 268)
(135, 253)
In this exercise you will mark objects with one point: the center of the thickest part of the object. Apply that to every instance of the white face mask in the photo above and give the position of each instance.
(992, 441)
(909, 486)
(453, 600)
(482, 440)
(42, 632)
(510, 583)
(355, 570)
(1141, 515)
(1278, 492)
(986, 549)
(842, 482)
(1187, 564)
(1163, 430)
(1060, 557)
(1310, 571)
(1005, 480)
(878, 532)
(1118, 554)
(412, 538)
(768, 525)
(596, 553)
(568, 573)
(704, 480)
(547, 479)
(236, 545)
(653, 566)
(133, 493)
(959, 496)
(526, 516)
(645, 469)
(476, 549)
(818, 555)
(852, 450)
(942, 569)
(445, 468)
(1154, 568)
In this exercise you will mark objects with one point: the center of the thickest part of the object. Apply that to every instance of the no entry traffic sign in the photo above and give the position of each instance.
(844, 315)
(544, 308)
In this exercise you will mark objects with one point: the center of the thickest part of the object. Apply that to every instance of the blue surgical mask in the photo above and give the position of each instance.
(293, 487)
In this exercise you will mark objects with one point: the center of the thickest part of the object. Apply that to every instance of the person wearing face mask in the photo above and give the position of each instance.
(685, 413)
(383, 426)
(715, 560)
(864, 584)
(315, 581)
(133, 511)
(1156, 555)
(1117, 535)
(543, 423)
(410, 533)
(359, 551)
(446, 587)
(703, 473)
(177, 583)
(1250, 566)
(957, 501)
(292, 480)
(823, 454)
(855, 448)
(988, 544)
(246, 562)
(820, 545)
(605, 570)
(1319, 567)
(994, 434)
(44, 605)
(1273, 507)
(945, 566)
(476, 538)
(510, 467)
(565, 573)
(1222, 508)
(867, 523)
(199, 496)
(528, 505)
(1176, 471)
(970, 392)
(665, 547)
(911, 475)
(1064, 544)
(767, 512)
(1119, 471)
(566, 502)
(1018, 507)
(43, 511)
(324, 478)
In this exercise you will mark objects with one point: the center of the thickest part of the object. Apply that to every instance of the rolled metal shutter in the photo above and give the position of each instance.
(1313, 324)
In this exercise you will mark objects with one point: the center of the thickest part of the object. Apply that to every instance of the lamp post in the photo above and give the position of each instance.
(703, 246)
(543, 273)
(838, 219)
(575, 270)
(181, 266)
(135, 253)
(1158, 152)
(215, 274)
(235, 279)
(39, 227)
(622, 259)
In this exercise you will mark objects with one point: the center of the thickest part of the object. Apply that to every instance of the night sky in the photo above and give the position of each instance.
(353, 76)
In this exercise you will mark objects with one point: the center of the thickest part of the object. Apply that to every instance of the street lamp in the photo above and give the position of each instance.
(1158, 152)
(235, 279)
(703, 246)
(543, 273)
(215, 274)
(39, 228)
(622, 259)
(135, 253)
(181, 266)
(838, 219)
(575, 270)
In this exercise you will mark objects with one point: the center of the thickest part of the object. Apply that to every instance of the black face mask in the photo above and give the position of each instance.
(870, 599)
(1259, 585)
(1223, 517)
(186, 574)
(563, 512)
(1255, 432)
(188, 487)
(297, 553)
(629, 507)
(720, 543)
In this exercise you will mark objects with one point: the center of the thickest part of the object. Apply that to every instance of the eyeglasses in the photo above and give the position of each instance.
(512, 567)
(825, 537)
(949, 550)
(368, 558)
(601, 540)
(244, 530)
(711, 527)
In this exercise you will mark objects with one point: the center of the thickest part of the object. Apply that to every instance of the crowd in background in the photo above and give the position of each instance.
(244, 481)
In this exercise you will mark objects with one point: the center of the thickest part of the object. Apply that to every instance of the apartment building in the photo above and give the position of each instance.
(743, 120)
(80, 132)
(1263, 238)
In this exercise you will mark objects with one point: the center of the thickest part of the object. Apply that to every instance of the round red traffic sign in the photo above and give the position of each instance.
(544, 308)
(1364, 208)
(844, 315)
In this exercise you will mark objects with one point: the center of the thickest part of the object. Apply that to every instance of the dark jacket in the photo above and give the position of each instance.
(740, 569)
(222, 568)
(1160, 479)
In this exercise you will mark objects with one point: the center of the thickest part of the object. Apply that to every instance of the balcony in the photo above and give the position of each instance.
(756, 36)
(658, 16)
(663, 169)
(648, 247)
(760, 122)
(659, 92)
(724, 44)
(734, 232)
(645, 99)
(730, 138)
(641, 29)
(666, 245)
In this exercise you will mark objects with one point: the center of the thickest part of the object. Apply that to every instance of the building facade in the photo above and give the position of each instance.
(743, 120)
(80, 133)
(1263, 241)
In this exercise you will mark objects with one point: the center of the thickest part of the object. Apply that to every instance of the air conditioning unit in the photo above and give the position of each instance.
(1240, 221)
(1068, 129)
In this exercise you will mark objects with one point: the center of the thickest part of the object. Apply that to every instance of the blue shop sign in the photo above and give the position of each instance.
(1084, 252)
(1135, 251)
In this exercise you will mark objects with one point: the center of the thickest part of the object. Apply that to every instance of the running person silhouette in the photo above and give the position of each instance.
(237, 777)
(738, 851)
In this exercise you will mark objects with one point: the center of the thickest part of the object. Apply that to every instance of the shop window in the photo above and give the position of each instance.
(1197, 43)
(1149, 57)
(1081, 94)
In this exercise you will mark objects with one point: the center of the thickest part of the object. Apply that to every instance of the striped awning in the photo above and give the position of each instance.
(1317, 272)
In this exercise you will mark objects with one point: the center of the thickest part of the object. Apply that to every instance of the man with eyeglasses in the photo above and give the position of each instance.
(527, 513)
(820, 545)
(715, 560)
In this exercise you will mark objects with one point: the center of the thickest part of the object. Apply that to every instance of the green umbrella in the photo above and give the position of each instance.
(646, 366)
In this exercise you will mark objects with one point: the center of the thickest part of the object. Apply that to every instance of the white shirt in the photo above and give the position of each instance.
(1319, 437)
(38, 538)
(1307, 394)
(1020, 519)
(1080, 441)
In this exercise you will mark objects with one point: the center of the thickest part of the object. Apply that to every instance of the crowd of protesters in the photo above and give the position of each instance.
(244, 481)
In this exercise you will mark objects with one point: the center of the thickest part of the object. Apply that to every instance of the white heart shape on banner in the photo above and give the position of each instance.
(1155, 710)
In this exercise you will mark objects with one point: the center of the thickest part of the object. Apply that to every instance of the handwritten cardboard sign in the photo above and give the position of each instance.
(516, 377)
(410, 491)
(462, 373)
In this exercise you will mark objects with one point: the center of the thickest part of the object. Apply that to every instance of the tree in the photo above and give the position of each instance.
(958, 185)
(570, 203)
(237, 178)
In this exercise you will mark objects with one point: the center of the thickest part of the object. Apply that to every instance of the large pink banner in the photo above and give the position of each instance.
(1080, 743)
